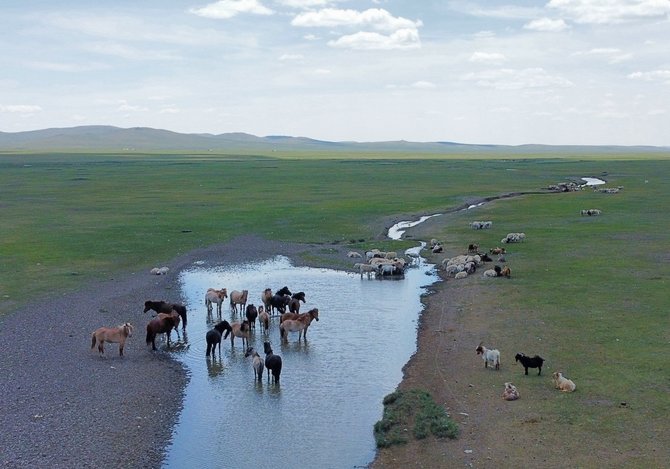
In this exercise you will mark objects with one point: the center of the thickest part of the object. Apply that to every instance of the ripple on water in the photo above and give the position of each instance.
(332, 384)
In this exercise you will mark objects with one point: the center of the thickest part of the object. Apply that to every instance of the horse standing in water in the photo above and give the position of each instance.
(213, 337)
(161, 325)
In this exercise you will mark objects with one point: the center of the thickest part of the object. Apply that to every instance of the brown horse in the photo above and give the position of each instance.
(165, 307)
(162, 325)
(240, 329)
(298, 325)
(238, 298)
(112, 335)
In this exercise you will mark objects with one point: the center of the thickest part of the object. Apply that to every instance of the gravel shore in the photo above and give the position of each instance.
(64, 406)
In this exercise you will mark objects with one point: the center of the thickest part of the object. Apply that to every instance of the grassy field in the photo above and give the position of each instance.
(594, 288)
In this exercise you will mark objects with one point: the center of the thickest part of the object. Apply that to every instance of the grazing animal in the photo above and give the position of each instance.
(240, 329)
(354, 254)
(257, 363)
(215, 296)
(490, 356)
(294, 303)
(264, 318)
(238, 298)
(530, 362)
(365, 269)
(497, 250)
(116, 335)
(165, 307)
(213, 337)
(299, 324)
(473, 248)
(510, 393)
(485, 258)
(160, 325)
(563, 383)
(505, 272)
(252, 314)
(272, 363)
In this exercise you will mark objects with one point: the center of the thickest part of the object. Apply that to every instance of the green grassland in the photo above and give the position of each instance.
(594, 289)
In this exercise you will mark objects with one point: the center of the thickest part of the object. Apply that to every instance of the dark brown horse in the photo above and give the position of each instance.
(165, 307)
(213, 337)
(161, 325)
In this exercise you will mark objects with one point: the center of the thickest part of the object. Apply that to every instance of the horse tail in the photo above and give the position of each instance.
(184, 318)
(150, 336)
(93, 340)
(282, 332)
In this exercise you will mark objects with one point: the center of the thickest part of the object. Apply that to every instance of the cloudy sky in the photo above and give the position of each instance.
(471, 71)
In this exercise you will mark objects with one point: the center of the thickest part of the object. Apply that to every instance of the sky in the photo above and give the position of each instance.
(576, 72)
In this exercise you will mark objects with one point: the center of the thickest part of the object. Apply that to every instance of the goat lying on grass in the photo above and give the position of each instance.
(510, 393)
(530, 362)
(490, 356)
(563, 383)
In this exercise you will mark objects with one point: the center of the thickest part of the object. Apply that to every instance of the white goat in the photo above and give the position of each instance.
(490, 356)
(563, 383)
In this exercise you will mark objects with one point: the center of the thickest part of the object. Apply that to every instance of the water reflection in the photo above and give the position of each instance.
(332, 383)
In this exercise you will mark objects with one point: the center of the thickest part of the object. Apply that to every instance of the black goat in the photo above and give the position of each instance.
(530, 362)
(272, 362)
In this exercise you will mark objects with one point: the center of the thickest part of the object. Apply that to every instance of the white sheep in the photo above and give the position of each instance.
(460, 275)
(354, 254)
(514, 238)
(490, 273)
(563, 383)
(490, 356)
(368, 269)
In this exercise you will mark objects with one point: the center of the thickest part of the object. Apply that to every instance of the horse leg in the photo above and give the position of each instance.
(121, 344)
(101, 348)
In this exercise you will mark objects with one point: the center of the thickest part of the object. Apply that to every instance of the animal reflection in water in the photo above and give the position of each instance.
(111, 334)
(214, 366)
(292, 322)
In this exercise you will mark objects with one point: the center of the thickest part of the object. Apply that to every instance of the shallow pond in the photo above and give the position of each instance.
(332, 384)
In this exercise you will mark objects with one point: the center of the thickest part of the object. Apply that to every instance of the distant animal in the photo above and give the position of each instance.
(241, 330)
(497, 250)
(510, 393)
(294, 303)
(266, 297)
(174, 317)
(257, 363)
(485, 258)
(238, 298)
(215, 296)
(299, 324)
(116, 335)
(473, 248)
(563, 383)
(365, 269)
(272, 362)
(264, 318)
(354, 254)
(161, 325)
(505, 272)
(490, 273)
(530, 362)
(165, 307)
(498, 270)
(213, 337)
(490, 356)
(252, 314)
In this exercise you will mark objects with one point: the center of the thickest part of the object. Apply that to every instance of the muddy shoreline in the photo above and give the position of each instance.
(64, 406)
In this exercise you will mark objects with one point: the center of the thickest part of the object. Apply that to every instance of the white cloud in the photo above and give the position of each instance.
(611, 11)
(490, 11)
(124, 106)
(655, 75)
(289, 57)
(423, 85)
(21, 108)
(493, 58)
(401, 39)
(375, 18)
(610, 54)
(225, 9)
(304, 4)
(510, 79)
(546, 25)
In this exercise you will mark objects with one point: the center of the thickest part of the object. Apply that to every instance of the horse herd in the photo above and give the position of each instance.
(170, 315)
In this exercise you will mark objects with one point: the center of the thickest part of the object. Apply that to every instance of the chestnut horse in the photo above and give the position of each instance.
(165, 307)
(298, 325)
(161, 325)
(112, 335)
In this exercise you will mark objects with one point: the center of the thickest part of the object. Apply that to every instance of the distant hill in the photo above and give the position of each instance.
(102, 138)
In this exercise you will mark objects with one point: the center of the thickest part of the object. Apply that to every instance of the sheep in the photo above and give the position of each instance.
(159, 270)
(437, 249)
(513, 238)
(354, 254)
(592, 212)
(473, 248)
(481, 225)
(461, 275)
(368, 269)
(563, 383)
(530, 362)
(510, 393)
(490, 273)
(490, 356)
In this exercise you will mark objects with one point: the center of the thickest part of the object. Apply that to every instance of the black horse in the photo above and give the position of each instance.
(280, 302)
(294, 303)
(213, 337)
(165, 307)
(272, 362)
